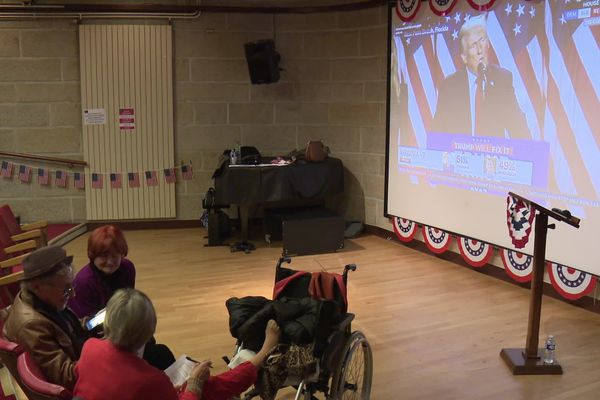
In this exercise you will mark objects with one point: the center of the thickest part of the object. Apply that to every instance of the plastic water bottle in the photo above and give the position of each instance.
(238, 152)
(549, 350)
(233, 157)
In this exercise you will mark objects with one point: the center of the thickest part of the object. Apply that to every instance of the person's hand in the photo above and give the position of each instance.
(201, 370)
(198, 376)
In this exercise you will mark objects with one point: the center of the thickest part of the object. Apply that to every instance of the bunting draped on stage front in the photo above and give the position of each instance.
(570, 283)
(407, 9)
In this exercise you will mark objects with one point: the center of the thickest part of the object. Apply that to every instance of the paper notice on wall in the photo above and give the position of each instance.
(126, 118)
(94, 116)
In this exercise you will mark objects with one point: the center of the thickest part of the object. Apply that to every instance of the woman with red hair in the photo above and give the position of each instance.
(107, 271)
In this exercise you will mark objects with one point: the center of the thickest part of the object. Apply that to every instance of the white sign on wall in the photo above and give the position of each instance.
(94, 116)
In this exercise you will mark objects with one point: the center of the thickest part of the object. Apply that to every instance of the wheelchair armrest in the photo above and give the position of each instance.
(335, 342)
(345, 322)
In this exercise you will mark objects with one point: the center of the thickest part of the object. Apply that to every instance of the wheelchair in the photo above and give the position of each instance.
(345, 359)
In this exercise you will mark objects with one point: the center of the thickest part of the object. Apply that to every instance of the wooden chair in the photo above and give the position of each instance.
(9, 287)
(34, 231)
(11, 246)
(11, 271)
(35, 384)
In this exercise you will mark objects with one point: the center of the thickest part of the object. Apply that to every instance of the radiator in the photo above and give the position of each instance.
(127, 112)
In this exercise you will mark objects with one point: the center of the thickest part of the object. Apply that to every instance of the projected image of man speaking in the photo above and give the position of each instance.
(479, 99)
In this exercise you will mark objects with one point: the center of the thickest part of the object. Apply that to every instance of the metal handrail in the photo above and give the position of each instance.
(55, 160)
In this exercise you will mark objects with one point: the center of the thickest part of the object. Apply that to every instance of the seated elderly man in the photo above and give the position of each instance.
(39, 319)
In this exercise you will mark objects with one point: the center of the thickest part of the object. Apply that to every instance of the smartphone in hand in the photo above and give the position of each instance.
(96, 321)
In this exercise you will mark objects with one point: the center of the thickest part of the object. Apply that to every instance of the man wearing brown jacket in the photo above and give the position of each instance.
(39, 319)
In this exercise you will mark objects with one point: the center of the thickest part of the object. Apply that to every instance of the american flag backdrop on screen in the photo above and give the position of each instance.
(544, 52)
(116, 180)
(97, 181)
(151, 179)
(43, 176)
(134, 179)
(24, 173)
(60, 179)
(426, 60)
(79, 180)
(572, 116)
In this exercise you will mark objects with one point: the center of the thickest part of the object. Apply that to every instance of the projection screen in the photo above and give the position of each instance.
(483, 103)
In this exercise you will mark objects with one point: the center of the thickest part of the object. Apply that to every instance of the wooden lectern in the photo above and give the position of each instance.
(529, 361)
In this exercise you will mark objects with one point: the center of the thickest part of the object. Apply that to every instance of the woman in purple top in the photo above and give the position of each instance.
(107, 271)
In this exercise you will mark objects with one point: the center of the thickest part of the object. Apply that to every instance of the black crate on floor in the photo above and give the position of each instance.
(305, 230)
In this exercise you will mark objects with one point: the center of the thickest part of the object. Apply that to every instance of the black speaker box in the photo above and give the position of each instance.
(309, 230)
(263, 61)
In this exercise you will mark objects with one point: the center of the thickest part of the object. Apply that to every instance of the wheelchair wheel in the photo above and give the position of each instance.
(354, 372)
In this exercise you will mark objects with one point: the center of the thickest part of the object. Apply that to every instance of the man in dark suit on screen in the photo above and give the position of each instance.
(479, 99)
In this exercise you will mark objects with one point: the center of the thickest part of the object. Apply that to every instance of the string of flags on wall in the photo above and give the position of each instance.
(569, 282)
(115, 180)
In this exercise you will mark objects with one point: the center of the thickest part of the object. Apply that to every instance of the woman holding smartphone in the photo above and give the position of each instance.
(108, 271)
(112, 368)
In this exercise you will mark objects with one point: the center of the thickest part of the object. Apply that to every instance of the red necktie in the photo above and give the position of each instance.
(478, 107)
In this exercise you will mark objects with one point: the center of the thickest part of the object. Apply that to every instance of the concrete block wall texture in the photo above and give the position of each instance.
(40, 113)
(333, 87)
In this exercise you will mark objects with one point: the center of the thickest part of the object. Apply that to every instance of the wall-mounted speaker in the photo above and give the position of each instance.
(263, 61)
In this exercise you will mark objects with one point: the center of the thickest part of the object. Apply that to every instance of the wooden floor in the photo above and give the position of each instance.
(436, 328)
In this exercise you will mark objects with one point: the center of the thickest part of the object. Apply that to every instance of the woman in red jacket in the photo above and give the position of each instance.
(113, 368)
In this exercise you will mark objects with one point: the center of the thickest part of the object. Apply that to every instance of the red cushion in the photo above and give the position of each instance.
(34, 379)
(9, 219)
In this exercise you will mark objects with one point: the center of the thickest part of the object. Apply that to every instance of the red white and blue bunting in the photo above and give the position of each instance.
(475, 253)
(407, 9)
(481, 5)
(442, 7)
(519, 219)
(517, 265)
(569, 282)
(437, 240)
(405, 229)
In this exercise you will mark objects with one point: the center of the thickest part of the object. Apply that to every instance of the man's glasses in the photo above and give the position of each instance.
(68, 292)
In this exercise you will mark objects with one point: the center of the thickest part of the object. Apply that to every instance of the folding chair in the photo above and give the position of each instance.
(19, 233)
(35, 385)
(11, 271)
(9, 352)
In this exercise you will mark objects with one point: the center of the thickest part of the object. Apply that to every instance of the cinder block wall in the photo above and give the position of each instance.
(333, 88)
(40, 112)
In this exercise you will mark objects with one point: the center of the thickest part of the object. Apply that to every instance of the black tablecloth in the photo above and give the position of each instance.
(252, 185)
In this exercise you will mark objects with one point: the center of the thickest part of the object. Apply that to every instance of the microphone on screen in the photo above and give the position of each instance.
(482, 74)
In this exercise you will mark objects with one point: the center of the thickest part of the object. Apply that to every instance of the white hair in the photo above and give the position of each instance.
(478, 21)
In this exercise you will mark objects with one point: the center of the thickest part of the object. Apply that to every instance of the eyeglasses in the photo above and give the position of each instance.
(68, 292)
